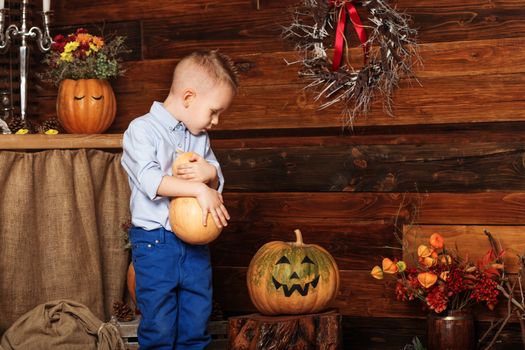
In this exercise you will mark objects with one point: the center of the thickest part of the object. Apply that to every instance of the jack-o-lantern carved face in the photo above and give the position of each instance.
(85, 106)
(292, 278)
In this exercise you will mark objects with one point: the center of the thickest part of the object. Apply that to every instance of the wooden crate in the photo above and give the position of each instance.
(217, 329)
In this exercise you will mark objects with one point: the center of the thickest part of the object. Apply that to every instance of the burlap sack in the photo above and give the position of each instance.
(61, 324)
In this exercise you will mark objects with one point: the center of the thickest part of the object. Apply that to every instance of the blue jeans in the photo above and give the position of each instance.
(174, 292)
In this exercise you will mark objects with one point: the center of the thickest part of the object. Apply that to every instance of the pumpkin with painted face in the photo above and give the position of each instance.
(86, 106)
(292, 278)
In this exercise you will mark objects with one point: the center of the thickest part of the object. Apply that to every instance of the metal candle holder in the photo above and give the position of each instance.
(43, 39)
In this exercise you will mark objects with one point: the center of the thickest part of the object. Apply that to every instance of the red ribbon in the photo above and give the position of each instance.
(340, 31)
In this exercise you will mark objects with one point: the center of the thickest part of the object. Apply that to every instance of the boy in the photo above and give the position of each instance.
(173, 278)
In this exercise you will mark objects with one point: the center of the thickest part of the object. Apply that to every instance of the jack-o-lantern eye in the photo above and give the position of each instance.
(97, 98)
(78, 98)
(307, 260)
(283, 260)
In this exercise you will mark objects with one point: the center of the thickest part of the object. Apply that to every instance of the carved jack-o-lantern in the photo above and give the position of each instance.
(86, 106)
(292, 278)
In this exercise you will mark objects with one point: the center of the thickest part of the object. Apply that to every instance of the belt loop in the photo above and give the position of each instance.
(163, 236)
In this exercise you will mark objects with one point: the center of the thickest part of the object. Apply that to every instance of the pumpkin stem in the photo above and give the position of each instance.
(299, 237)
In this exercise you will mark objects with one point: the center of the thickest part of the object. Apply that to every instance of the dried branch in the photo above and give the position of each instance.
(503, 324)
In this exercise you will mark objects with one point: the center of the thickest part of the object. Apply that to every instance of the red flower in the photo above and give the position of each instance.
(81, 30)
(58, 38)
(437, 300)
(58, 43)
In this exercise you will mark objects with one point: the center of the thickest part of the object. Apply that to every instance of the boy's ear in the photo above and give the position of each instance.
(188, 96)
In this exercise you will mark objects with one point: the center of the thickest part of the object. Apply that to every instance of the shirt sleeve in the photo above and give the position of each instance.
(210, 158)
(139, 159)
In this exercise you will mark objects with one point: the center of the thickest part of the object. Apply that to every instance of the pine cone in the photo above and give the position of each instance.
(51, 123)
(15, 124)
(122, 311)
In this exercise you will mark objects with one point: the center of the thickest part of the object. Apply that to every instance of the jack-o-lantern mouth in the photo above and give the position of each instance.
(288, 291)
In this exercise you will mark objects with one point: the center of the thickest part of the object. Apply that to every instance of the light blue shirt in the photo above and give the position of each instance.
(149, 148)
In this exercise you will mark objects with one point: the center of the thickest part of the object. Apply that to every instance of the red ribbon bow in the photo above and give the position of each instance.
(347, 6)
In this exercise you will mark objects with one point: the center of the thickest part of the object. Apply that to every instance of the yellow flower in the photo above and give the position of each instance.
(71, 46)
(51, 132)
(92, 47)
(377, 273)
(66, 56)
(21, 132)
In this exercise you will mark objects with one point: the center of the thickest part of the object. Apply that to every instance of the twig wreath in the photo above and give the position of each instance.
(390, 51)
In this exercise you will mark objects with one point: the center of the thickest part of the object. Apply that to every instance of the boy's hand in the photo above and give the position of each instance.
(198, 170)
(211, 202)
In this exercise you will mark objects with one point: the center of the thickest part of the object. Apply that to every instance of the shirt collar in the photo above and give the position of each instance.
(165, 118)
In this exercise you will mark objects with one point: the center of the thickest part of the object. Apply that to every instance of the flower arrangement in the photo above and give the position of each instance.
(443, 280)
(84, 56)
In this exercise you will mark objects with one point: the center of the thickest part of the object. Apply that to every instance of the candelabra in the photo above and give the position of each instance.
(43, 39)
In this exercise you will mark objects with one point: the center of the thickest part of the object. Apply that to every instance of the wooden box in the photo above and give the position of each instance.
(217, 329)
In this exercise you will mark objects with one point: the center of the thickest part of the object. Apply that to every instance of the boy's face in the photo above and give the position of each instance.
(204, 107)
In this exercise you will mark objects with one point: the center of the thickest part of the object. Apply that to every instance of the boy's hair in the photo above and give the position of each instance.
(218, 66)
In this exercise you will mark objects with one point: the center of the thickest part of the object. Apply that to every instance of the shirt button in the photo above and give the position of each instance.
(149, 245)
(157, 241)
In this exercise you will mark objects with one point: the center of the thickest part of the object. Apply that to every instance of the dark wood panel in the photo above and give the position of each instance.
(259, 69)
(496, 208)
(437, 101)
(79, 11)
(385, 168)
(451, 20)
(238, 25)
(233, 32)
(259, 31)
(440, 101)
(458, 134)
(352, 243)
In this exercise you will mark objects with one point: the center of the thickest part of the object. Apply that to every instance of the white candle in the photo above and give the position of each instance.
(46, 5)
(2, 4)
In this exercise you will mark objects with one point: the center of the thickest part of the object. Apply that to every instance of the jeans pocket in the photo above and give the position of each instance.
(142, 250)
(145, 243)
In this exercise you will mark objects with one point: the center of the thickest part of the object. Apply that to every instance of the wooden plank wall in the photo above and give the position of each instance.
(452, 156)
